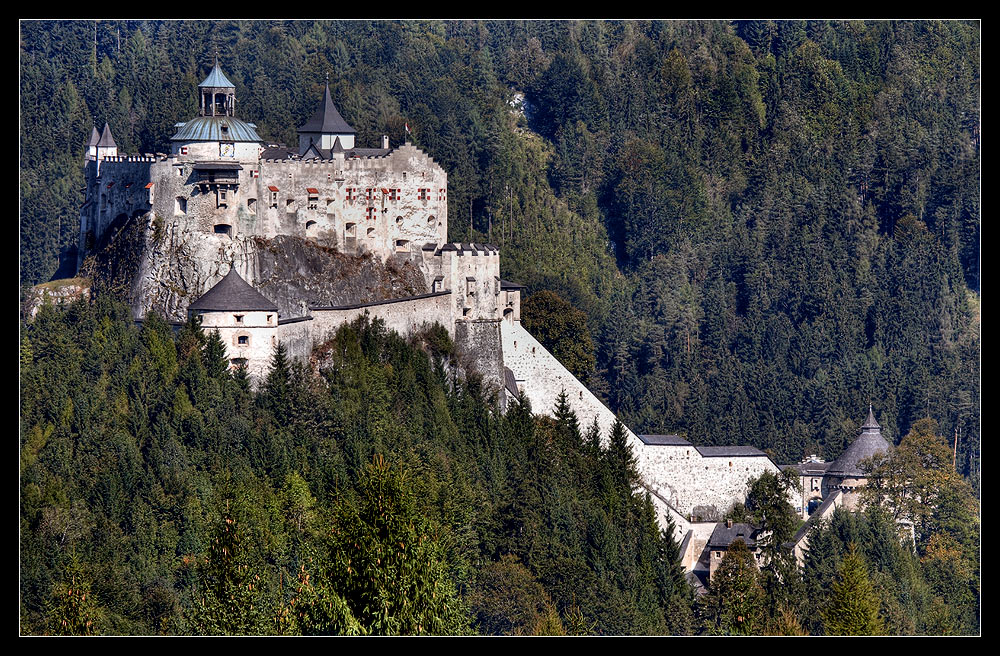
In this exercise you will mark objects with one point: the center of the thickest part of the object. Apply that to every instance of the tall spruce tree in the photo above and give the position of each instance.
(853, 607)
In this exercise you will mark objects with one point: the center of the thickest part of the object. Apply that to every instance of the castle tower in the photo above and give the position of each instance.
(95, 137)
(217, 94)
(845, 473)
(105, 146)
(325, 128)
(216, 135)
(246, 321)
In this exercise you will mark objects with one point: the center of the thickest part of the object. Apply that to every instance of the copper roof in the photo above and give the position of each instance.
(209, 128)
(216, 79)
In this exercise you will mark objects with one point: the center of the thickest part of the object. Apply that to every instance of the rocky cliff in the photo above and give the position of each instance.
(159, 268)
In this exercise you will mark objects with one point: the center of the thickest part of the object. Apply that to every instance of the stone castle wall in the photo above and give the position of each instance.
(697, 484)
(401, 315)
(383, 205)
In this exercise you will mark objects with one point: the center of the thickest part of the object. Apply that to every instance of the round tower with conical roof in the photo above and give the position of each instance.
(847, 473)
(245, 319)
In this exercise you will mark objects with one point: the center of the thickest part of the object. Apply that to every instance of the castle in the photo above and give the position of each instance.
(221, 186)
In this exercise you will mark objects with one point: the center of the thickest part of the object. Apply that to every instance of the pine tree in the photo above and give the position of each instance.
(854, 606)
(735, 603)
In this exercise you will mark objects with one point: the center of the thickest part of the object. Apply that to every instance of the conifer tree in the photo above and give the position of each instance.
(72, 607)
(735, 603)
(853, 608)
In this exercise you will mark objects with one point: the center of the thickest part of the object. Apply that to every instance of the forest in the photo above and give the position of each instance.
(740, 232)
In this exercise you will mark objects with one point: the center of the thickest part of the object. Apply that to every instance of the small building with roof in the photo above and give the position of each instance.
(723, 536)
(244, 318)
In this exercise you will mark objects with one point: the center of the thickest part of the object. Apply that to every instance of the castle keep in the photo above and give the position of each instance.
(222, 191)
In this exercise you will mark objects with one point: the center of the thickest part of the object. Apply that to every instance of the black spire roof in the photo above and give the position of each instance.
(868, 444)
(327, 120)
(107, 141)
(232, 294)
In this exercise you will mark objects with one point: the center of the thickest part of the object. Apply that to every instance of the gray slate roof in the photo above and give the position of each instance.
(216, 79)
(327, 119)
(232, 294)
(664, 440)
(209, 128)
(107, 141)
(510, 382)
(724, 451)
(865, 446)
(94, 137)
(723, 536)
(807, 468)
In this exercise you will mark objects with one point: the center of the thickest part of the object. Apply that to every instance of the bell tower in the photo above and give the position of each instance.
(217, 95)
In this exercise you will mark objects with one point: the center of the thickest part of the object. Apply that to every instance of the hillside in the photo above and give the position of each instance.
(739, 232)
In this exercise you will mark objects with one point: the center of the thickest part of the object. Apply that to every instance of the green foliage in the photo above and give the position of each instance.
(391, 569)
(734, 604)
(854, 607)
(562, 329)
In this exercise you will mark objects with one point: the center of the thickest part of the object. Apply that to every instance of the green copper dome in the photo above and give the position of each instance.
(217, 128)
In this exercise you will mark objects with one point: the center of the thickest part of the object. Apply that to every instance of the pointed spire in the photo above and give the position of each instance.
(327, 120)
(216, 79)
(337, 146)
(107, 141)
(94, 137)
(870, 423)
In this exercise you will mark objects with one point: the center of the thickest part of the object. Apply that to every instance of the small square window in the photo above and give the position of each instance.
(243, 340)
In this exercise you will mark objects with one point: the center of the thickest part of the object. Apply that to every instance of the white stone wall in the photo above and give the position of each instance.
(472, 300)
(687, 480)
(260, 330)
(542, 377)
(403, 316)
(383, 223)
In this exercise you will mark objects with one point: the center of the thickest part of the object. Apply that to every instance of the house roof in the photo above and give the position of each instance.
(725, 451)
(507, 284)
(509, 382)
(232, 294)
(807, 468)
(327, 119)
(723, 535)
(664, 440)
(865, 446)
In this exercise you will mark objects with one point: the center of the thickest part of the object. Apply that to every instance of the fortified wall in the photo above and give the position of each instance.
(222, 191)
